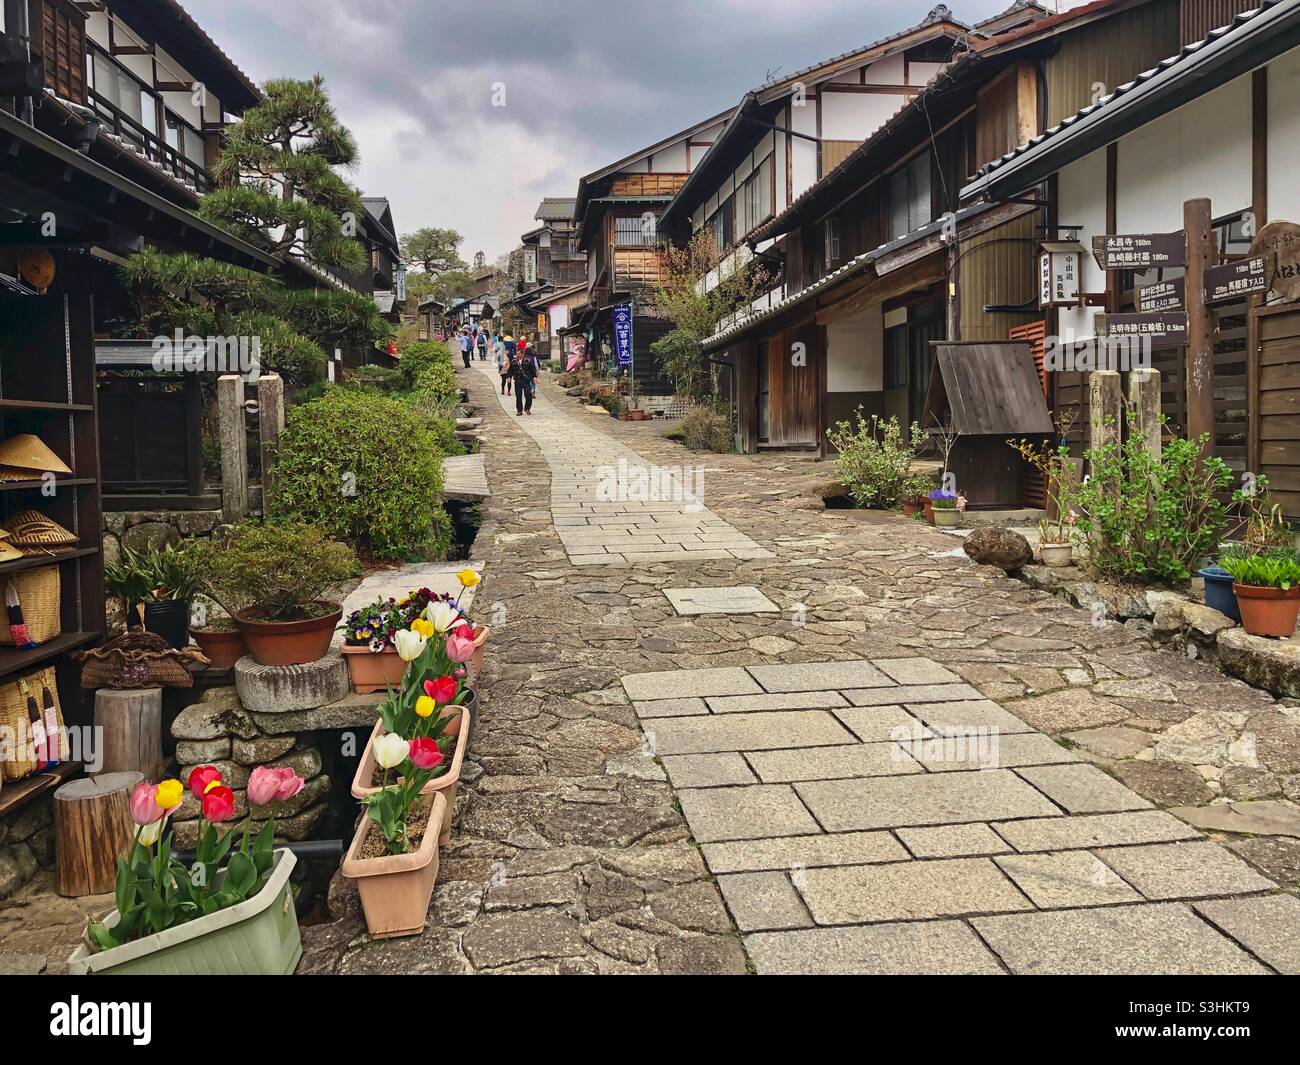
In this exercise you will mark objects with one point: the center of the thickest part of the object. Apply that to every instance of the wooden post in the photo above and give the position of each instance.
(92, 827)
(128, 725)
(234, 448)
(1200, 347)
(270, 424)
(1105, 408)
(1144, 408)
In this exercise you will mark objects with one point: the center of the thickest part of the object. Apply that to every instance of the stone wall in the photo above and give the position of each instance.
(138, 529)
(275, 715)
(26, 843)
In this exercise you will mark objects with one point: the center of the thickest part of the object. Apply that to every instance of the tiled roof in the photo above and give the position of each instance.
(556, 209)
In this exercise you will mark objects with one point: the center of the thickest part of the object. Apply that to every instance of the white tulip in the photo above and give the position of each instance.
(148, 834)
(409, 644)
(390, 750)
(441, 616)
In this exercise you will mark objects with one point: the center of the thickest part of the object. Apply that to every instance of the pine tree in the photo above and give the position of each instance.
(278, 182)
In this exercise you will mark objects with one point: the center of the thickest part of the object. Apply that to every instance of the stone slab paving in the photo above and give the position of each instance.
(610, 506)
(742, 599)
(835, 856)
(570, 850)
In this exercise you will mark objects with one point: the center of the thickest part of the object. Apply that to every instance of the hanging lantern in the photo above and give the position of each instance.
(36, 267)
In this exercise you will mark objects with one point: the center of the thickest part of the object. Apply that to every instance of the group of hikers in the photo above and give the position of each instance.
(518, 366)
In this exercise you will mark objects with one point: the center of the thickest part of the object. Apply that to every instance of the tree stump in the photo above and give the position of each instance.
(128, 725)
(92, 827)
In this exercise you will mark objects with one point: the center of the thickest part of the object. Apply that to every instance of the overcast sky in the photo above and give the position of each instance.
(586, 82)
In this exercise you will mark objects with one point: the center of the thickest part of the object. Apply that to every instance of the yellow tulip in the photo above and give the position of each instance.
(424, 706)
(424, 628)
(468, 578)
(169, 794)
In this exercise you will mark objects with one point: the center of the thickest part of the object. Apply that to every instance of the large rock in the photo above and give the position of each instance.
(217, 714)
(150, 534)
(278, 689)
(1273, 665)
(993, 546)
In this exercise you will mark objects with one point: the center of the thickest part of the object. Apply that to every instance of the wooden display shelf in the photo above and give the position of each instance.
(14, 795)
(59, 482)
(46, 405)
(33, 561)
(16, 659)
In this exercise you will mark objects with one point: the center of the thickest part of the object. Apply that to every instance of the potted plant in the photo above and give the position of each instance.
(217, 636)
(1267, 587)
(393, 857)
(946, 507)
(1055, 540)
(913, 493)
(229, 912)
(281, 570)
(156, 585)
(368, 648)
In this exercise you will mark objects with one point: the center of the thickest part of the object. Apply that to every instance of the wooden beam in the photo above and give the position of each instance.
(1200, 344)
(131, 49)
(1259, 207)
(1026, 103)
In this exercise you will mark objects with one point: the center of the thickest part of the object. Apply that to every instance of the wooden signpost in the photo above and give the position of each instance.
(1166, 329)
(1234, 280)
(1162, 296)
(1139, 251)
(1279, 244)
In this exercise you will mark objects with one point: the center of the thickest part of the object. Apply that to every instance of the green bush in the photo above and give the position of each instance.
(874, 462)
(704, 429)
(379, 380)
(363, 468)
(444, 432)
(278, 568)
(1146, 519)
(418, 357)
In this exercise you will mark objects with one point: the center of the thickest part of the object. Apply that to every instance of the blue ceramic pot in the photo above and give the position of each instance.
(1218, 592)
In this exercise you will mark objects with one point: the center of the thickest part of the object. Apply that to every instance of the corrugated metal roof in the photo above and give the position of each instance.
(1186, 56)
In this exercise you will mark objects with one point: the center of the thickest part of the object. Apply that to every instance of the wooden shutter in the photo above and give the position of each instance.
(63, 49)
(1035, 492)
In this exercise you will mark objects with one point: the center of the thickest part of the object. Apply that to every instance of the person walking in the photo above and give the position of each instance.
(482, 345)
(524, 372)
(466, 346)
(503, 366)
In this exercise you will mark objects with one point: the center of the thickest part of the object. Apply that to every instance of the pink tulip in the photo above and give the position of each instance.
(460, 646)
(273, 784)
(424, 753)
(144, 809)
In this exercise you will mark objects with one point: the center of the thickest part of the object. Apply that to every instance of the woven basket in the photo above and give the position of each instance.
(23, 702)
(138, 659)
(39, 593)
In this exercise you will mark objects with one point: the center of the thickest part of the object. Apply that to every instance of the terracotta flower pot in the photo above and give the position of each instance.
(910, 507)
(638, 415)
(929, 512)
(395, 890)
(946, 517)
(222, 647)
(1056, 554)
(481, 635)
(1267, 611)
(289, 643)
(447, 784)
(373, 671)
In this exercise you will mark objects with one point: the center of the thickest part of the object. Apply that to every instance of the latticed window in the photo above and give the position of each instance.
(63, 49)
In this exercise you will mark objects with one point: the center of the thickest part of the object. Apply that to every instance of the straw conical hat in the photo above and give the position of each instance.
(32, 529)
(8, 552)
(29, 452)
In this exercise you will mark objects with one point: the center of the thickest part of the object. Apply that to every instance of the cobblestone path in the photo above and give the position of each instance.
(691, 764)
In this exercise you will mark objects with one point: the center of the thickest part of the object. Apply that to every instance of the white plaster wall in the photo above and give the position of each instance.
(1284, 138)
(1081, 188)
(921, 73)
(804, 154)
(672, 160)
(854, 116)
(888, 71)
(855, 352)
(1201, 149)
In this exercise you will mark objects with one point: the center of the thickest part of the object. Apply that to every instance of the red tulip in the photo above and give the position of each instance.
(219, 804)
(442, 690)
(424, 753)
(202, 777)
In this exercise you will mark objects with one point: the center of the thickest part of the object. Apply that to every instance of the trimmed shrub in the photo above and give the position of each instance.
(379, 380)
(363, 468)
(874, 460)
(704, 429)
(418, 357)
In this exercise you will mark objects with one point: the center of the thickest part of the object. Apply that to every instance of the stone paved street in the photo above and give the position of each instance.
(914, 764)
